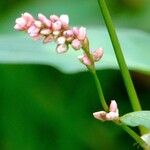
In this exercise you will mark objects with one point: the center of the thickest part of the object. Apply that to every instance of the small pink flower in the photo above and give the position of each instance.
(48, 38)
(75, 31)
(112, 116)
(54, 18)
(24, 22)
(76, 44)
(81, 33)
(61, 48)
(68, 33)
(97, 55)
(38, 24)
(33, 31)
(20, 24)
(65, 20)
(61, 40)
(56, 26)
(45, 31)
(44, 20)
(101, 115)
(85, 60)
(29, 18)
(113, 106)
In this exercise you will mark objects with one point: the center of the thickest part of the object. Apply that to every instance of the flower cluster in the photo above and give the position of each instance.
(113, 113)
(56, 28)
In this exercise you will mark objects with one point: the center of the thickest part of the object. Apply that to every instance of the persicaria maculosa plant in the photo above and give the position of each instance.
(57, 29)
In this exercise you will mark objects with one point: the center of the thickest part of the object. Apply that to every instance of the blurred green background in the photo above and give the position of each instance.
(42, 108)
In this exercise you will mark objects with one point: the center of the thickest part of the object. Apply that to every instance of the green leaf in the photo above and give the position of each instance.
(20, 49)
(139, 118)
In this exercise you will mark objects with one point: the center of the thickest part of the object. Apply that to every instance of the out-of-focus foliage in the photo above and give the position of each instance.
(44, 109)
(41, 108)
(22, 49)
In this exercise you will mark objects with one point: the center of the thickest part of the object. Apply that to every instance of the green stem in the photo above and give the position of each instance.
(99, 89)
(134, 135)
(120, 58)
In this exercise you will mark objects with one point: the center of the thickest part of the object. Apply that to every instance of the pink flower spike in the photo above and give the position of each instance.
(97, 55)
(113, 106)
(76, 44)
(61, 48)
(101, 115)
(65, 20)
(44, 20)
(82, 33)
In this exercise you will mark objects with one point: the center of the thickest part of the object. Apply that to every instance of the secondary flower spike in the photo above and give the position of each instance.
(56, 28)
(113, 113)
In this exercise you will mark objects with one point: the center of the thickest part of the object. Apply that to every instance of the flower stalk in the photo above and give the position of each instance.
(120, 58)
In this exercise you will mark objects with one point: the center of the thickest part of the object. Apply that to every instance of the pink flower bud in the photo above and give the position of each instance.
(21, 22)
(68, 33)
(33, 31)
(29, 18)
(48, 38)
(112, 116)
(82, 33)
(45, 31)
(101, 115)
(64, 20)
(54, 18)
(97, 55)
(61, 40)
(38, 24)
(75, 31)
(56, 26)
(113, 106)
(44, 20)
(85, 60)
(24, 22)
(76, 44)
(56, 33)
(17, 27)
(61, 48)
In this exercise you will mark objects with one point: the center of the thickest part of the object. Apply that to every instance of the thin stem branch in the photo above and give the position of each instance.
(99, 89)
(120, 58)
(134, 135)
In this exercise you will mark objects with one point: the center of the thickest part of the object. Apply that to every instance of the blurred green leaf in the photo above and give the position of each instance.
(139, 118)
(21, 49)
(85, 12)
